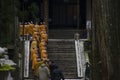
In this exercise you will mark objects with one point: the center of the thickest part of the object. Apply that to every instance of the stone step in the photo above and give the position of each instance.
(66, 68)
(68, 62)
(67, 59)
(58, 58)
(61, 49)
(70, 75)
(61, 57)
(60, 52)
(61, 46)
(63, 54)
(60, 42)
(53, 56)
(65, 34)
(72, 66)
(65, 79)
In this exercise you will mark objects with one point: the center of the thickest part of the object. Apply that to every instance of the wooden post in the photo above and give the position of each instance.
(45, 3)
(46, 13)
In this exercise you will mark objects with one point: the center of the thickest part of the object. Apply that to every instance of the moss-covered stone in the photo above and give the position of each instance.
(6, 67)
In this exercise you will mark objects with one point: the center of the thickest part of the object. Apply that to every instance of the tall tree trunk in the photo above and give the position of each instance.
(105, 40)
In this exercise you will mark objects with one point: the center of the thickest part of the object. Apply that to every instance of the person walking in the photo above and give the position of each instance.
(51, 67)
(57, 74)
(87, 71)
(43, 72)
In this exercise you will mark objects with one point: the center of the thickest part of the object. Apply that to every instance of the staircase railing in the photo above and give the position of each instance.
(26, 58)
(79, 52)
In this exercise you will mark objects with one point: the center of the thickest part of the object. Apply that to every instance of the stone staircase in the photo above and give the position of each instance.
(61, 49)
(62, 52)
(66, 34)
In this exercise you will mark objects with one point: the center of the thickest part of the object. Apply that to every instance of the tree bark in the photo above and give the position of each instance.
(105, 40)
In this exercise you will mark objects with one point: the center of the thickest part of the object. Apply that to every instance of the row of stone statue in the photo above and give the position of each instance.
(38, 43)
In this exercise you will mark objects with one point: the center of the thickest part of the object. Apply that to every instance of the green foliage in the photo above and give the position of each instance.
(87, 45)
(8, 11)
(1, 55)
(6, 67)
(33, 10)
(6, 20)
(30, 12)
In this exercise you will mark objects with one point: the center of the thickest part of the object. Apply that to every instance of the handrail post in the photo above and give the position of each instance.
(79, 52)
(76, 36)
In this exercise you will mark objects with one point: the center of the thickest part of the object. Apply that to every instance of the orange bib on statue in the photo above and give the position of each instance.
(34, 44)
(42, 48)
(43, 54)
(44, 36)
(43, 27)
(31, 26)
(32, 51)
(42, 44)
(34, 61)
